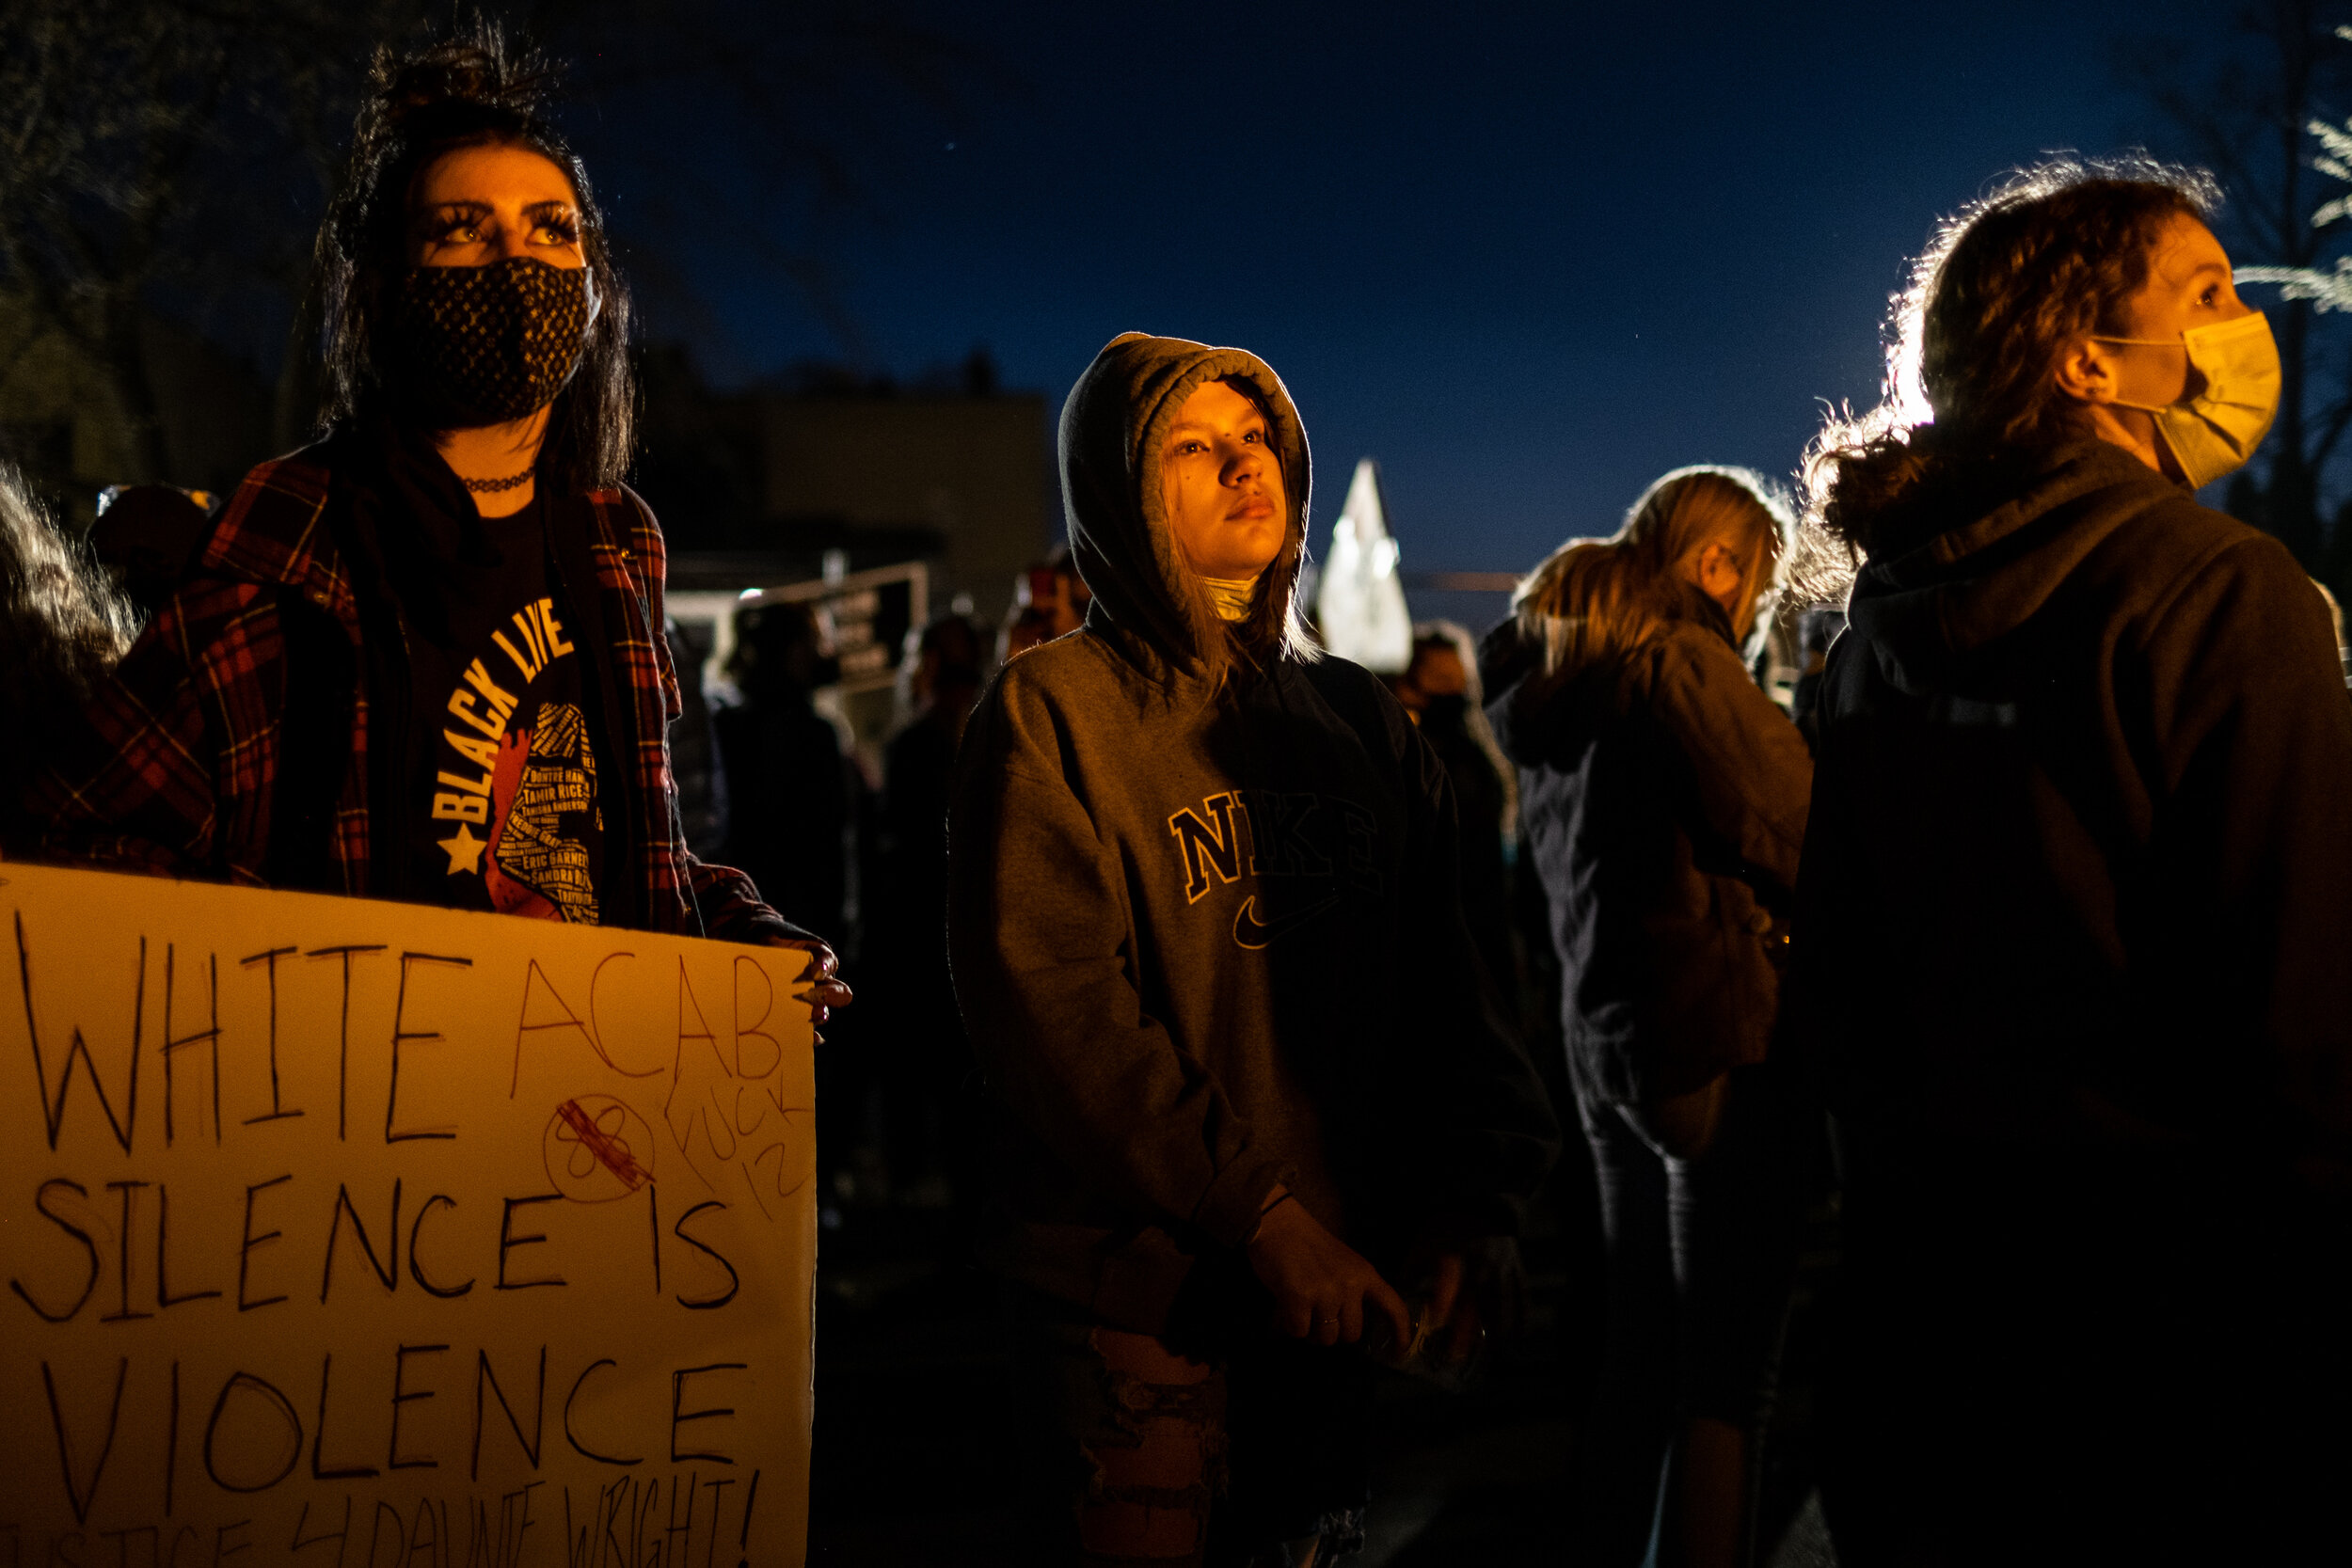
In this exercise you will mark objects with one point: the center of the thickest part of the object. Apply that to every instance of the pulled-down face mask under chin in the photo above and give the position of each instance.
(2214, 431)
(1230, 597)
(485, 345)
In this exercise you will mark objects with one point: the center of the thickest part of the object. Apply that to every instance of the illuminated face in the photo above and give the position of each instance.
(2188, 286)
(1719, 569)
(484, 204)
(1221, 486)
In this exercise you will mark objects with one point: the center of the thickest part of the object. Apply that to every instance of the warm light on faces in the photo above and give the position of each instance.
(1719, 570)
(1221, 486)
(484, 204)
(2188, 286)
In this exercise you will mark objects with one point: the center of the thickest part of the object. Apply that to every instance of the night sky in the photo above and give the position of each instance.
(1527, 257)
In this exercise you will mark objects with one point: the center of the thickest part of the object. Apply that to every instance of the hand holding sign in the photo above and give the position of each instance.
(340, 1232)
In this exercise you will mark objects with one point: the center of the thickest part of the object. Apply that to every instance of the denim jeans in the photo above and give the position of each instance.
(1701, 1257)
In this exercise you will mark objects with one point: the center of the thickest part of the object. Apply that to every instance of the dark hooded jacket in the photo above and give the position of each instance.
(1205, 926)
(2081, 863)
(1662, 804)
(2071, 963)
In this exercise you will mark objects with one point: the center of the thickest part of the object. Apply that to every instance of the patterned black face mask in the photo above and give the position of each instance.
(483, 345)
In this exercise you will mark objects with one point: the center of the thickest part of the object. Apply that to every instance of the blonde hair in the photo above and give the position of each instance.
(62, 629)
(1594, 599)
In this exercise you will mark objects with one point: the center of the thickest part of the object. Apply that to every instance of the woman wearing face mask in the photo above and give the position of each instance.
(2071, 935)
(1440, 688)
(1207, 939)
(423, 659)
(1662, 804)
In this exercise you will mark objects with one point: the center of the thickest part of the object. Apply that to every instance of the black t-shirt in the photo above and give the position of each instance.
(504, 778)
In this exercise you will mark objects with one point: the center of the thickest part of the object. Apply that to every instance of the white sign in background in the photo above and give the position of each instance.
(352, 1234)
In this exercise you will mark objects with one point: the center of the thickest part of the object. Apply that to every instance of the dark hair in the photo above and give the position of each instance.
(2004, 286)
(470, 91)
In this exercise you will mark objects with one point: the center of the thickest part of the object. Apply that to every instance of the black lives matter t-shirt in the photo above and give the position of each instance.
(506, 775)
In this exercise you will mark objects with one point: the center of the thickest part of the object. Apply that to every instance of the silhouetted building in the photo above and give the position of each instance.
(951, 472)
(63, 419)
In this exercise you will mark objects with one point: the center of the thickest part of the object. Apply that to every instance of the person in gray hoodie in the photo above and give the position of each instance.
(1207, 937)
(2069, 946)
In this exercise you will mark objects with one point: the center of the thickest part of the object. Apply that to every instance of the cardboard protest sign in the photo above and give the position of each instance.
(351, 1234)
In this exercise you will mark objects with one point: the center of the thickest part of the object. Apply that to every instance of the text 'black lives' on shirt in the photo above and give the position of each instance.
(506, 775)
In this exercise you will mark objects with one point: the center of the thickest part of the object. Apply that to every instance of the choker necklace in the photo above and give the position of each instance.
(491, 487)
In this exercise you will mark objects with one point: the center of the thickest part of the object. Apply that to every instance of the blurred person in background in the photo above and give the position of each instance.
(63, 627)
(385, 635)
(1207, 934)
(1818, 627)
(2070, 937)
(789, 785)
(923, 1058)
(148, 536)
(1049, 600)
(1439, 690)
(792, 794)
(702, 782)
(1662, 804)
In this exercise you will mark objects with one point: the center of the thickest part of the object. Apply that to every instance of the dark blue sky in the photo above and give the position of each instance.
(1528, 257)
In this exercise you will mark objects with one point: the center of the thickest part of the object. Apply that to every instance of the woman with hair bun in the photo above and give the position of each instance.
(423, 658)
(1662, 804)
(2070, 939)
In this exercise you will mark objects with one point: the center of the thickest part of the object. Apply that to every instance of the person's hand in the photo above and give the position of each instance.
(825, 992)
(1321, 1285)
(1472, 1287)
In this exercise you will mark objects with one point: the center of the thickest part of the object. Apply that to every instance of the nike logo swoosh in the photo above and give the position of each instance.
(1253, 933)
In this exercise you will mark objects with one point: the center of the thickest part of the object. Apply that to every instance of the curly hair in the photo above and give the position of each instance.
(2004, 286)
(473, 89)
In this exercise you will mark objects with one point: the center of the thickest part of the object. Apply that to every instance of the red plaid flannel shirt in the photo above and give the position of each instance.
(175, 768)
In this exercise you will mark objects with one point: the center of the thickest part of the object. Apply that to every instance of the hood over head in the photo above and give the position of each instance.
(1112, 430)
(1969, 579)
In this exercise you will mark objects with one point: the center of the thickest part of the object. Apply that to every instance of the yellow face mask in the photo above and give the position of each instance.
(2215, 430)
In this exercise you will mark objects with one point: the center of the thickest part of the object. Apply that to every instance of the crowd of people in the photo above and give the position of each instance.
(1194, 962)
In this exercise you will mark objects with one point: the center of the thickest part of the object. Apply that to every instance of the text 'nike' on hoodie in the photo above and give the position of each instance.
(1204, 911)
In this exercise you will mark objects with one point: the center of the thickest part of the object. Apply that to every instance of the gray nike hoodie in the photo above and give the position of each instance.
(1203, 912)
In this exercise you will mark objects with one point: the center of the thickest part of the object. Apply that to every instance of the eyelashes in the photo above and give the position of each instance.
(463, 226)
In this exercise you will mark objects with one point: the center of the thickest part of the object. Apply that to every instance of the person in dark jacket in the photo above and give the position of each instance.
(925, 1062)
(789, 785)
(148, 536)
(1662, 801)
(1208, 941)
(2071, 928)
(1440, 688)
(424, 659)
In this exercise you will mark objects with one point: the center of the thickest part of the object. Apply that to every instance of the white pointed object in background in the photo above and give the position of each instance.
(1359, 603)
